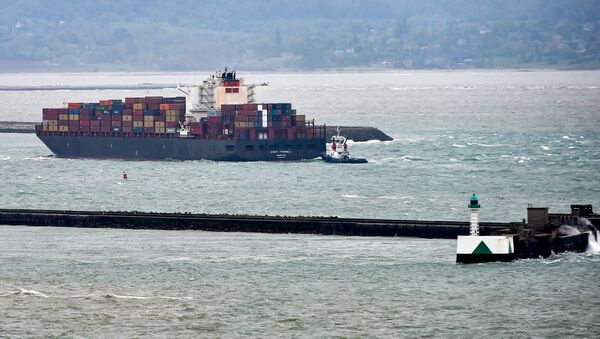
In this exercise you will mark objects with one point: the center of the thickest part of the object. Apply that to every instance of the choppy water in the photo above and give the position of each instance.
(126, 283)
(512, 137)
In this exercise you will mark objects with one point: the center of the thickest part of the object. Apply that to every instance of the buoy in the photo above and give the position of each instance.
(125, 175)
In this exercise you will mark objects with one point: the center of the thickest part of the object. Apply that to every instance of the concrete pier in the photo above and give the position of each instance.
(355, 133)
(244, 223)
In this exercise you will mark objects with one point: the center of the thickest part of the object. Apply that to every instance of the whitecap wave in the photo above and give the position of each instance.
(350, 196)
(483, 145)
(459, 145)
(545, 148)
(388, 197)
(410, 158)
(117, 296)
(31, 293)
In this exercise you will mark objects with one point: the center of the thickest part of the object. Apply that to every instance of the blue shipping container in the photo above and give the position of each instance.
(138, 130)
(74, 110)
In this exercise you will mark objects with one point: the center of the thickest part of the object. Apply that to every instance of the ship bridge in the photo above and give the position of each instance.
(222, 87)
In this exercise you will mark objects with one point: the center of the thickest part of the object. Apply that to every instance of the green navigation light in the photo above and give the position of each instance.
(474, 203)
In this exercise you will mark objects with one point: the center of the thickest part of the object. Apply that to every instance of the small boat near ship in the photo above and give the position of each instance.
(338, 152)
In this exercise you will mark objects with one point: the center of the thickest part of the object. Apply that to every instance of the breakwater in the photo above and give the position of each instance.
(355, 133)
(244, 223)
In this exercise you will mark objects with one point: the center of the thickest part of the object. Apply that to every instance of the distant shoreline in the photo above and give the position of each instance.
(300, 71)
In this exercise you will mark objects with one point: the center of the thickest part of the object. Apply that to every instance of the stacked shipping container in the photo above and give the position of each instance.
(161, 116)
(150, 115)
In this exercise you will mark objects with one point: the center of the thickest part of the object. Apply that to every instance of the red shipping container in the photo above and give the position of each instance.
(95, 128)
(84, 122)
(131, 101)
(172, 124)
(251, 134)
(291, 133)
(84, 128)
(154, 106)
(47, 115)
(271, 133)
(127, 124)
(154, 100)
(127, 111)
(127, 129)
(105, 129)
(149, 130)
(116, 123)
(138, 112)
(177, 107)
(74, 105)
(105, 103)
(160, 118)
(63, 122)
(74, 128)
(214, 120)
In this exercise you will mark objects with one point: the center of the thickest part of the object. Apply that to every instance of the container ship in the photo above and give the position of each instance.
(216, 120)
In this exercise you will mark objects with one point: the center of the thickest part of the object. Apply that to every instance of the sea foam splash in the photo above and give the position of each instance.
(593, 242)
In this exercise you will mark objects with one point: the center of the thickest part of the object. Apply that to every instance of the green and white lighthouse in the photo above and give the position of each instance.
(474, 206)
(476, 248)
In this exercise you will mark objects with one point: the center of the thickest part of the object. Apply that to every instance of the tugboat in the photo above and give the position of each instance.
(338, 153)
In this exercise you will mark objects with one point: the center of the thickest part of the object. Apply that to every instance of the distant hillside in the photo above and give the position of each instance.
(308, 34)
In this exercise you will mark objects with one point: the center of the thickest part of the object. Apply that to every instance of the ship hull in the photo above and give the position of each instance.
(143, 148)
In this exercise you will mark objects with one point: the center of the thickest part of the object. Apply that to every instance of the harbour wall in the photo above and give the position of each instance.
(245, 223)
(355, 133)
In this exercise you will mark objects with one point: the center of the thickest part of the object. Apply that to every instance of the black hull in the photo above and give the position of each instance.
(480, 258)
(142, 148)
(350, 160)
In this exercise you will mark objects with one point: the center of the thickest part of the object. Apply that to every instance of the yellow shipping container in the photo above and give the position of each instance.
(74, 117)
(159, 130)
(300, 117)
(63, 128)
(45, 128)
(53, 128)
(138, 106)
(149, 118)
(243, 124)
(138, 124)
(172, 113)
(159, 124)
(172, 118)
(127, 118)
(63, 117)
(148, 123)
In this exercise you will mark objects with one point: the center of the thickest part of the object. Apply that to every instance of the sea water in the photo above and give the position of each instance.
(513, 138)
